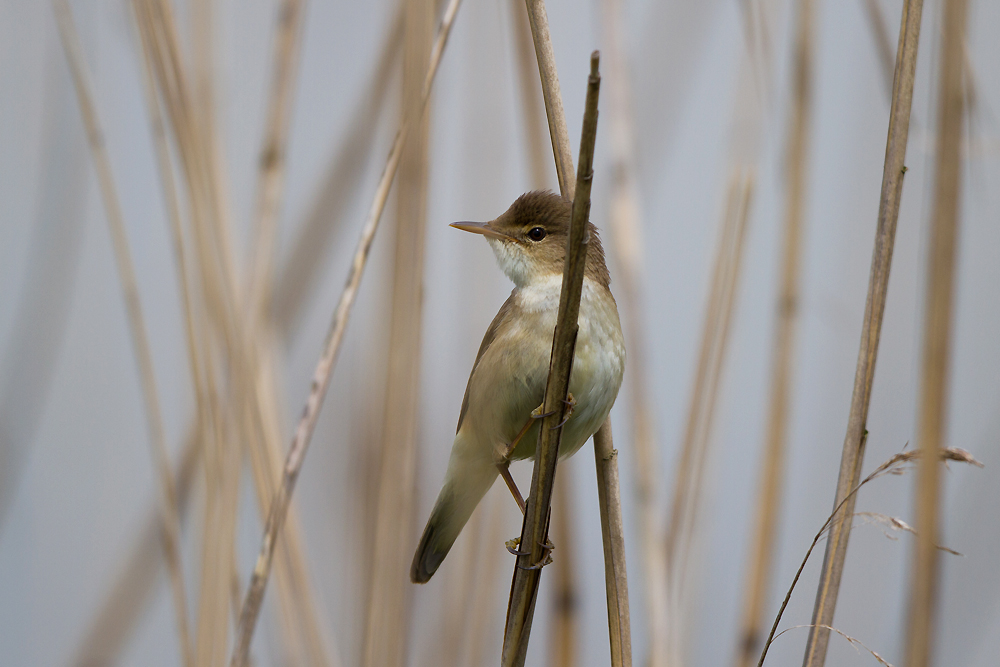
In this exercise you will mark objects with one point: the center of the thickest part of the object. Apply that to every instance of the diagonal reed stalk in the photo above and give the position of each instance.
(765, 524)
(133, 588)
(894, 466)
(390, 590)
(137, 327)
(613, 535)
(324, 368)
(300, 271)
(626, 226)
(937, 335)
(539, 22)
(534, 530)
(271, 169)
(132, 592)
(607, 483)
(254, 398)
(564, 628)
(852, 457)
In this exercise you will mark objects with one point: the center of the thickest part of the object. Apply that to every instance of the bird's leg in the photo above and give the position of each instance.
(504, 469)
(504, 465)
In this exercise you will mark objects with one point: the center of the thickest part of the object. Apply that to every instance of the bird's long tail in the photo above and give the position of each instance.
(470, 476)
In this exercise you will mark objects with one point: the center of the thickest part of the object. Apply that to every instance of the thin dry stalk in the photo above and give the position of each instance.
(772, 476)
(613, 533)
(254, 396)
(565, 603)
(271, 169)
(554, 113)
(532, 106)
(324, 368)
(534, 530)
(137, 326)
(852, 457)
(390, 593)
(683, 473)
(730, 284)
(544, 53)
(565, 614)
(937, 335)
(625, 224)
(137, 579)
(300, 272)
(883, 42)
(897, 465)
(483, 598)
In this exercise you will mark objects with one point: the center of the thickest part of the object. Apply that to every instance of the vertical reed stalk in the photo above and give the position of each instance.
(559, 135)
(554, 113)
(613, 534)
(137, 327)
(534, 531)
(937, 336)
(271, 169)
(390, 593)
(300, 271)
(765, 525)
(626, 226)
(852, 457)
(132, 593)
(324, 368)
(565, 617)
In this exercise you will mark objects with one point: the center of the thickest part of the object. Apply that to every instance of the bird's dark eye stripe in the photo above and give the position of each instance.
(536, 233)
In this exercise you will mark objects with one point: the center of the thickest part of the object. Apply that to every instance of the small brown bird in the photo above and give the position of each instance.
(507, 384)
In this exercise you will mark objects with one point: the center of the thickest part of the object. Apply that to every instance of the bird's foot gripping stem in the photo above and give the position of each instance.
(514, 543)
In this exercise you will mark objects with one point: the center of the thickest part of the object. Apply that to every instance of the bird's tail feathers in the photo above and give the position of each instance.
(465, 485)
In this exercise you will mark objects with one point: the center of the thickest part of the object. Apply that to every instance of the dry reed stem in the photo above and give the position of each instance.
(625, 225)
(564, 169)
(532, 106)
(565, 614)
(695, 418)
(554, 113)
(853, 641)
(388, 604)
(937, 335)
(765, 525)
(564, 620)
(483, 598)
(256, 398)
(894, 466)
(324, 368)
(883, 42)
(137, 326)
(129, 597)
(735, 247)
(852, 457)
(300, 271)
(689, 480)
(613, 534)
(534, 530)
(271, 169)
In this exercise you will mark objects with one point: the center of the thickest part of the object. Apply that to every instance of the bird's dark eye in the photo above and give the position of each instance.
(536, 233)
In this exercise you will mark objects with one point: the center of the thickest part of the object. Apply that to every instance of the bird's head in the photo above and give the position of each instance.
(529, 239)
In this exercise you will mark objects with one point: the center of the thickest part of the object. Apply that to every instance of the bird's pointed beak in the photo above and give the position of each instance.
(480, 228)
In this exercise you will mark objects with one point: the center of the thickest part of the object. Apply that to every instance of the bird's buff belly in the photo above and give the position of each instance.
(508, 397)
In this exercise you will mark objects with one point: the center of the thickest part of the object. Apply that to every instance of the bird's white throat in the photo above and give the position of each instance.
(514, 262)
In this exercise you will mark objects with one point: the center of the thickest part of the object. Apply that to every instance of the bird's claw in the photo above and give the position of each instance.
(538, 414)
(570, 404)
(547, 548)
(512, 545)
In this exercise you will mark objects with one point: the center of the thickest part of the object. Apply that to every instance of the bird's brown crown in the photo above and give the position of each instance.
(531, 238)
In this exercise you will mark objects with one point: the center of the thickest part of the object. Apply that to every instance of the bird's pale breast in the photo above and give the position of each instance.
(509, 381)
